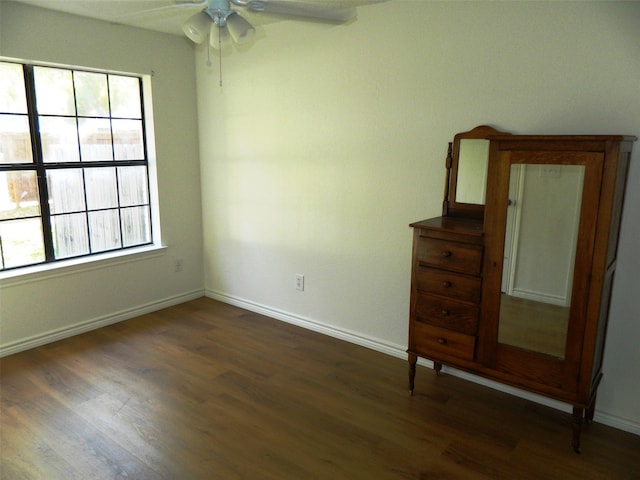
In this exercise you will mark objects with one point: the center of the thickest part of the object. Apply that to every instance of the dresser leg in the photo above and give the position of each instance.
(576, 427)
(591, 410)
(437, 367)
(413, 359)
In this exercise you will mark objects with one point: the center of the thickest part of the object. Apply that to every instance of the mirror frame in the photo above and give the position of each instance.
(450, 207)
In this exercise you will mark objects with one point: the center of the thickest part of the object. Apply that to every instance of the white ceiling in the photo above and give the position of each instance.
(160, 15)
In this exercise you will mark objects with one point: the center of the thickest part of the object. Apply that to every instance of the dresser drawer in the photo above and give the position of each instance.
(446, 313)
(448, 284)
(459, 257)
(433, 341)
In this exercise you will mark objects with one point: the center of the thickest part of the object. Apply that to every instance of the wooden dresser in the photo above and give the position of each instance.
(446, 289)
(513, 281)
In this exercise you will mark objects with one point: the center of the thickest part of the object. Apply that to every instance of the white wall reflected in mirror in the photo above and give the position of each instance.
(473, 159)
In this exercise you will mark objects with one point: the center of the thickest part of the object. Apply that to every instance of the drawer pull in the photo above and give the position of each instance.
(444, 312)
(442, 341)
(446, 254)
(446, 284)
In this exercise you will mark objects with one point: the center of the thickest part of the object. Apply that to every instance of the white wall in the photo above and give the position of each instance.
(40, 308)
(325, 142)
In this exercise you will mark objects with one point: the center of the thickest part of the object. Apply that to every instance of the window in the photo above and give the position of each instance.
(74, 170)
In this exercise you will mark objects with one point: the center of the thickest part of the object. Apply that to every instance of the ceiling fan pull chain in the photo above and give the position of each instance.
(220, 54)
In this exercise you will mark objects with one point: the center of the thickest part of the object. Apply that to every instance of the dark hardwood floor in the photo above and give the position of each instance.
(205, 390)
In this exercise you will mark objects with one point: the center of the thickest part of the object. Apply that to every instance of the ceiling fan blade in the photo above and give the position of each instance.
(177, 5)
(302, 9)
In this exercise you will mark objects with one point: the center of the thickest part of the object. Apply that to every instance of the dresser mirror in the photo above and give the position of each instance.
(467, 162)
(473, 158)
(541, 234)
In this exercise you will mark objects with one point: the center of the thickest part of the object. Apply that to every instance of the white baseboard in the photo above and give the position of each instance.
(399, 351)
(616, 422)
(349, 336)
(103, 321)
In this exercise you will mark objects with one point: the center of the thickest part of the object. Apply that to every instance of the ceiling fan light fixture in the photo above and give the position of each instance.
(240, 30)
(219, 37)
(196, 28)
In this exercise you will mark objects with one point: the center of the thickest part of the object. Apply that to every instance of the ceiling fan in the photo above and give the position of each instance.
(218, 21)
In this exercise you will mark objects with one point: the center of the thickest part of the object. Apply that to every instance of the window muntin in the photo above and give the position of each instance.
(73, 164)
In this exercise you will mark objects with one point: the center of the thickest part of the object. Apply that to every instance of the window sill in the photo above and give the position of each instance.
(84, 264)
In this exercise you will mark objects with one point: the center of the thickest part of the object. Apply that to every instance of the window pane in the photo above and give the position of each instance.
(15, 142)
(70, 235)
(135, 226)
(19, 195)
(100, 184)
(13, 98)
(66, 190)
(127, 139)
(95, 139)
(59, 139)
(21, 243)
(133, 186)
(125, 96)
(104, 227)
(54, 91)
(91, 94)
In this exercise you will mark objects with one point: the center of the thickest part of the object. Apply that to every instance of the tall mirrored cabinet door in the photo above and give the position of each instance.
(539, 236)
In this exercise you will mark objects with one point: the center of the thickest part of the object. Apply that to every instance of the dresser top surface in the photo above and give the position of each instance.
(464, 226)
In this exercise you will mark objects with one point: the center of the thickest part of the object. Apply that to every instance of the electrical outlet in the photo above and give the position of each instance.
(299, 282)
(178, 265)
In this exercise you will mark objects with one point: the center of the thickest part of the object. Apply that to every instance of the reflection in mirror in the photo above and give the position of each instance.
(473, 158)
(540, 246)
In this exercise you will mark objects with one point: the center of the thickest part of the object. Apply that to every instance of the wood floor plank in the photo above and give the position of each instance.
(27, 455)
(206, 390)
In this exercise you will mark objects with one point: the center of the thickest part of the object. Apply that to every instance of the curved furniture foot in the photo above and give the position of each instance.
(413, 359)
